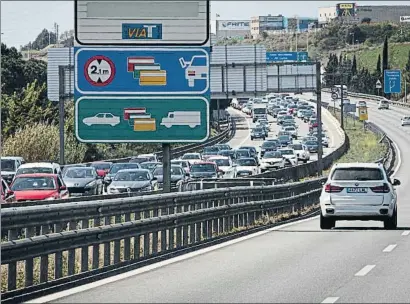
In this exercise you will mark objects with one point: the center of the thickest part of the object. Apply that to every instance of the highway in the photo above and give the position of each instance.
(294, 263)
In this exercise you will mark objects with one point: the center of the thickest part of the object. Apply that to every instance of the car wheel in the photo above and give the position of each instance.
(251, 138)
(326, 223)
(391, 223)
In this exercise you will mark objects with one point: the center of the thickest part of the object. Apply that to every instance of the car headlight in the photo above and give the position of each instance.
(147, 188)
(51, 198)
(113, 190)
(90, 184)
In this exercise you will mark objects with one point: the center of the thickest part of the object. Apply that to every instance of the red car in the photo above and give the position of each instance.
(101, 167)
(6, 195)
(39, 186)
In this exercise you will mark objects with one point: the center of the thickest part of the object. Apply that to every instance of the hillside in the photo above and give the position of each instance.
(367, 57)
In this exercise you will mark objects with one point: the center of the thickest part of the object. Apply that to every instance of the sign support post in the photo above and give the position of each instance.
(319, 119)
(61, 70)
(166, 165)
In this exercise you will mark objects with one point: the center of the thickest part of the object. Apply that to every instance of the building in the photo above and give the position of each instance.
(269, 23)
(326, 14)
(382, 13)
(351, 12)
(301, 24)
(239, 29)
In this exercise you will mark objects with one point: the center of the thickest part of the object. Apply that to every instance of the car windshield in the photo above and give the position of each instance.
(283, 137)
(289, 129)
(272, 155)
(211, 149)
(174, 171)
(148, 166)
(191, 156)
(131, 176)
(243, 153)
(257, 130)
(80, 173)
(358, 174)
(101, 166)
(139, 160)
(180, 163)
(311, 143)
(246, 162)
(221, 162)
(259, 110)
(8, 165)
(34, 170)
(226, 152)
(297, 147)
(203, 168)
(268, 144)
(223, 147)
(117, 167)
(288, 117)
(33, 183)
(286, 152)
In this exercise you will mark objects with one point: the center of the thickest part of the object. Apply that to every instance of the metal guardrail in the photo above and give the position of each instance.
(67, 243)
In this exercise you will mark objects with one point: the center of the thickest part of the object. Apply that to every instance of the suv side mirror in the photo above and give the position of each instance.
(63, 188)
(396, 182)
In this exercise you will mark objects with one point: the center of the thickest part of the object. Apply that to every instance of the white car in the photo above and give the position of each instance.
(149, 157)
(383, 104)
(192, 158)
(301, 151)
(358, 191)
(225, 164)
(292, 131)
(290, 156)
(272, 160)
(40, 167)
(246, 167)
(102, 119)
(405, 121)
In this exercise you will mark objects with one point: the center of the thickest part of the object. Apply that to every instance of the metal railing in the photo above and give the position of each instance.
(62, 245)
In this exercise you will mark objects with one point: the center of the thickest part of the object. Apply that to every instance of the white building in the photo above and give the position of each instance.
(233, 29)
(326, 14)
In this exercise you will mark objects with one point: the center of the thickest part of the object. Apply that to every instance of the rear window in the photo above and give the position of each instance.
(358, 174)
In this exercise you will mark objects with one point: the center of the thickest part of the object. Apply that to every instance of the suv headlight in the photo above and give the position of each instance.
(90, 184)
(113, 190)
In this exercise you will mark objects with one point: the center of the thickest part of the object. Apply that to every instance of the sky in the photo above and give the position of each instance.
(22, 21)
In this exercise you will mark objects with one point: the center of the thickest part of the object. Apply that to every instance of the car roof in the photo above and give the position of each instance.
(356, 165)
(218, 157)
(38, 164)
(204, 163)
(145, 155)
(135, 170)
(37, 175)
(247, 158)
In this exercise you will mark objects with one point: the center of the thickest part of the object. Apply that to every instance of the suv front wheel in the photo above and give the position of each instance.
(326, 223)
(391, 222)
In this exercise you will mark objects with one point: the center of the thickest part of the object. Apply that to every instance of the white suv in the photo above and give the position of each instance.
(358, 191)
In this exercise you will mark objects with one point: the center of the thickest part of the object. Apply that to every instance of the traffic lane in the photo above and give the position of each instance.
(389, 122)
(242, 133)
(387, 282)
(279, 266)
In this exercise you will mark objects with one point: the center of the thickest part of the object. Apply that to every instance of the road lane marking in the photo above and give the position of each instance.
(249, 129)
(405, 233)
(390, 248)
(398, 158)
(330, 300)
(365, 270)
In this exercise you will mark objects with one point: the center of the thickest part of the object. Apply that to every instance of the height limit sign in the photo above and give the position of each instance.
(99, 71)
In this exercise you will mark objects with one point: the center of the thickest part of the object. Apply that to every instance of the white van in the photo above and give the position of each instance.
(182, 118)
(41, 167)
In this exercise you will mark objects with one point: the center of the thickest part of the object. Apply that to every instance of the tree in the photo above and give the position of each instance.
(43, 40)
(265, 35)
(379, 65)
(354, 65)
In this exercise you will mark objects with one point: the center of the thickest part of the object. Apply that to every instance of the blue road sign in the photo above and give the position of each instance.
(286, 56)
(142, 71)
(392, 81)
(141, 31)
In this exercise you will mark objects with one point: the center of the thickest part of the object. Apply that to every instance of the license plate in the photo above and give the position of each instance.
(357, 190)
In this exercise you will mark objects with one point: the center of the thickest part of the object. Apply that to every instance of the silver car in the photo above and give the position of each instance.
(133, 180)
(83, 181)
(405, 121)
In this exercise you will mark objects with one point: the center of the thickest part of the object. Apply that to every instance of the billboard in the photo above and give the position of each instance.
(234, 25)
(346, 9)
(404, 18)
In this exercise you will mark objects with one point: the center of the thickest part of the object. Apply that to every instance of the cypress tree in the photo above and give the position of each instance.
(354, 65)
(379, 65)
(385, 61)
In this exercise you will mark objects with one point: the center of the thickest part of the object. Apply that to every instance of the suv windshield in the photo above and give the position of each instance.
(221, 162)
(297, 147)
(268, 144)
(257, 130)
(203, 168)
(117, 167)
(358, 174)
(101, 166)
(286, 152)
(131, 176)
(33, 183)
(211, 149)
(272, 155)
(8, 165)
(174, 171)
(246, 162)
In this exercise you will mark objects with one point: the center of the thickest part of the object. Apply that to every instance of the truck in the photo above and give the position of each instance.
(259, 111)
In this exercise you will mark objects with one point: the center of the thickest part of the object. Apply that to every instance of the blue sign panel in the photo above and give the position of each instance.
(141, 31)
(142, 71)
(286, 56)
(392, 81)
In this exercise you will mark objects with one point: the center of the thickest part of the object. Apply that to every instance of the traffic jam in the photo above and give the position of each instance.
(22, 181)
